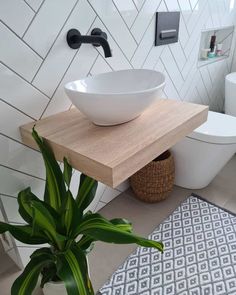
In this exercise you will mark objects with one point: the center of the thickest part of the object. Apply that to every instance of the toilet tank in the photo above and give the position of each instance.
(230, 94)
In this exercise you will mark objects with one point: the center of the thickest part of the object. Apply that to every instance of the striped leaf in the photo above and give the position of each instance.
(87, 191)
(55, 190)
(123, 224)
(98, 228)
(24, 200)
(67, 173)
(86, 244)
(24, 234)
(73, 270)
(72, 214)
(43, 220)
(26, 282)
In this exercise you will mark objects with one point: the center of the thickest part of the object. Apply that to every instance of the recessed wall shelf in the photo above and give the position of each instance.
(113, 154)
(224, 35)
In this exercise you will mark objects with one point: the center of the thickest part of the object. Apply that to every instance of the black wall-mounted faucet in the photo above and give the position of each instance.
(97, 38)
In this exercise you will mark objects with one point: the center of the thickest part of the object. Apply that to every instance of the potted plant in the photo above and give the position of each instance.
(61, 222)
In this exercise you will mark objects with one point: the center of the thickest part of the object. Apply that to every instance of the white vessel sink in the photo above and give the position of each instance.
(116, 97)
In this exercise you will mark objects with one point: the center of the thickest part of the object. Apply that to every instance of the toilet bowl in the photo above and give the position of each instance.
(230, 94)
(200, 156)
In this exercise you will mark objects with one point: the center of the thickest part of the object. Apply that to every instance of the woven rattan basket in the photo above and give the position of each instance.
(155, 181)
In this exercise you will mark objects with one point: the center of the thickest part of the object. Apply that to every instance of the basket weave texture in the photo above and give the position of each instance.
(154, 182)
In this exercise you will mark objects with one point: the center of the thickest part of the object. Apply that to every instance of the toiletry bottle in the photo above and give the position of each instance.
(212, 52)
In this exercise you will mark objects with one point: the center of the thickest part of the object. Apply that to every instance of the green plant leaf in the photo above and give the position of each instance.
(73, 270)
(26, 282)
(55, 190)
(24, 234)
(98, 228)
(87, 191)
(72, 214)
(123, 224)
(86, 244)
(67, 173)
(24, 200)
(43, 220)
(41, 251)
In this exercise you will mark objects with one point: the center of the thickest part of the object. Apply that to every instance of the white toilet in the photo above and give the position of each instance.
(200, 156)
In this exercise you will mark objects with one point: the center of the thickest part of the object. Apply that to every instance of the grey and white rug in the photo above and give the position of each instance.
(199, 257)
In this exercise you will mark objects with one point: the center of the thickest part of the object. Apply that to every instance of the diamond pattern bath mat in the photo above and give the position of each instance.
(199, 257)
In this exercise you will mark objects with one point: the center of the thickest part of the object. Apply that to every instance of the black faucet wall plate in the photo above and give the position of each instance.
(96, 38)
(167, 27)
(72, 39)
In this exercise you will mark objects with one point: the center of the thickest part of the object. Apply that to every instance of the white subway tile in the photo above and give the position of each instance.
(78, 69)
(115, 24)
(20, 94)
(12, 182)
(109, 194)
(144, 46)
(118, 60)
(127, 10)
(16, 14)
(100, 66)
(21, 158)
(139, 3)
(17, 55)
(34, 4)
(47, 24)
(171, 68)
(60, 56)
(11, 120)
(144, 18)
(11, 208)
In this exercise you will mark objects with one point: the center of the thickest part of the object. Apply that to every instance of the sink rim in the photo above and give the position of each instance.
(68, 87)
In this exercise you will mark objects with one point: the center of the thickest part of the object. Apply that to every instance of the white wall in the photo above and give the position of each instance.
(35, 63)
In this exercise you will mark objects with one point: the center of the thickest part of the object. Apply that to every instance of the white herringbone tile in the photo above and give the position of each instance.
(79, 68)
(19, 157)
(20, 94)
(21, 181)
(8, 15)
(47, 24)
(34, 4)
(60, 55)
(115, 24)
(26, 62)
(10, 121)
(144, 17)
(127, 10)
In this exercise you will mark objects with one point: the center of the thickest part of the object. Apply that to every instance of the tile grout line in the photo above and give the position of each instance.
(14, 107)
(19, 142)
(1, 62)
(125, 22)
(99, 18)
(56, 38)
(22, 172)
(29, 6)
(35, 15)
(21, 40)
(58, 85)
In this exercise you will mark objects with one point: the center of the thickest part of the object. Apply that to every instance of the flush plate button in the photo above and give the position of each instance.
(167, 27)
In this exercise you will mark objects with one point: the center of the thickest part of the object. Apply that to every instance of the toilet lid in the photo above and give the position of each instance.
(231, 78)
(219, 128)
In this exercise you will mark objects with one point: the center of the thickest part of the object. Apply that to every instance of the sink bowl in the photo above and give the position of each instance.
(116, 97)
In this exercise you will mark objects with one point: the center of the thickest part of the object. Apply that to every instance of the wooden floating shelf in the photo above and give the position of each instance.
(112, 154)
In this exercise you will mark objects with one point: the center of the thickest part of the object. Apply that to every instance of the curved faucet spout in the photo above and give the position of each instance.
(97, 38)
